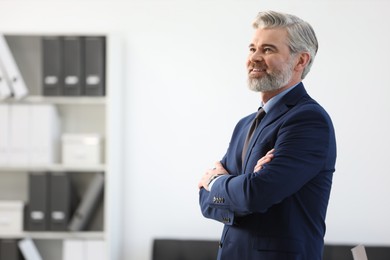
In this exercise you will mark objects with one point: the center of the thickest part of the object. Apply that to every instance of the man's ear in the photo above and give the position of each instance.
(303, 60)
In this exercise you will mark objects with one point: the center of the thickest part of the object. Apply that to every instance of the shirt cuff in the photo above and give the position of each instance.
(213, 181)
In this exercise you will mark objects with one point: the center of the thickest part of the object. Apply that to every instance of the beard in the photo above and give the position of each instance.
(272, 81)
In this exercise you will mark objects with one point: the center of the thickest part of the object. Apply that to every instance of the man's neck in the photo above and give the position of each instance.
(265, 96)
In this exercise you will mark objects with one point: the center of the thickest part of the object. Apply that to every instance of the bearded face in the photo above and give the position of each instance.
(270, 63)
(262, 79)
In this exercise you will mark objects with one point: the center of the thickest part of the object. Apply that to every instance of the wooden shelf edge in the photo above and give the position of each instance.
(54, 168)
(51, 235)
(76, 100)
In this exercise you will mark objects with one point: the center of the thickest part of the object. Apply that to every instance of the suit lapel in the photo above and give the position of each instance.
(280, 108)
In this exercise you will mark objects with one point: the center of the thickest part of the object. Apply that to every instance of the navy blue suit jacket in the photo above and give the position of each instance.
(277, 213)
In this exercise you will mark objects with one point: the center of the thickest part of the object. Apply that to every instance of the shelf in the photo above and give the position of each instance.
(54, 168)
(59, 100)
(101, 115)
(55, 235)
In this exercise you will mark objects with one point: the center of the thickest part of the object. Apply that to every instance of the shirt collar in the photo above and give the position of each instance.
(271, 103)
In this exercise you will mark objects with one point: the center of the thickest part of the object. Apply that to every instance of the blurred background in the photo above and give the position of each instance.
(185, 88)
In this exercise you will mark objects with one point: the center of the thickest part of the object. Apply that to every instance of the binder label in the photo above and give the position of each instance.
(58, 215)
(71, 80)
(51, 80)
(37, 215)
(93, 80)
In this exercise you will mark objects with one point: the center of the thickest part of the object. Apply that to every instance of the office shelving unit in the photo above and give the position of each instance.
(78, 114)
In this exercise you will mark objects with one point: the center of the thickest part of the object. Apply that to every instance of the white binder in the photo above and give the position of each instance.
(84, 249)
(12, 72)
(73, 249)
(4, 134)
(359, 253)
(44, 134)
(30, 134)
(29, 250)
(19, 134)
(95, 249)
(5, 90)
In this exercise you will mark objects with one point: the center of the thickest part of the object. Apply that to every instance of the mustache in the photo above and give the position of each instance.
(261, 67)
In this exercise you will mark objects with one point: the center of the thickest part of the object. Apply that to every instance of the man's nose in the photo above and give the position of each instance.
(256, 57)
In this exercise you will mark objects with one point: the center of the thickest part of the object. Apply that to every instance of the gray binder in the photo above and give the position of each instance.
(95, 59)
(38, 207)
(62, 200)
(88, 204)
(9, 250)
(52, 48)
(73, 66)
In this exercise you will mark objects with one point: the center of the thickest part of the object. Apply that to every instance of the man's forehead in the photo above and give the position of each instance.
(269, 35)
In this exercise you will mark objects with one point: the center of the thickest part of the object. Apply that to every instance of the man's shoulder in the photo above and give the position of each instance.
(247, 119)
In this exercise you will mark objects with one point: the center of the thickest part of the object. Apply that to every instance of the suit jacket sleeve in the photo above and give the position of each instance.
(302, 150)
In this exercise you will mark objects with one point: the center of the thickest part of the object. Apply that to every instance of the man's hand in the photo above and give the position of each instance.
(211, 174)
(219, 170)
(263, 160)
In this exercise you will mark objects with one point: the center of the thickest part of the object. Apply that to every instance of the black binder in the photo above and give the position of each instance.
(9, 250)
(73, 65)
(95, 59)
(52, 64)
(38, 207)
(62, 200)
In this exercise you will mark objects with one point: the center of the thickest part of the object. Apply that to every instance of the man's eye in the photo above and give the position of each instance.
(267, 50)
(252, 49)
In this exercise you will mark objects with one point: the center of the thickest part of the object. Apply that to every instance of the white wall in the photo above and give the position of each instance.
(186, 89)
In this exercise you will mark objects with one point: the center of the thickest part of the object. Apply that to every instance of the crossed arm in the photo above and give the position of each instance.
(219, 170)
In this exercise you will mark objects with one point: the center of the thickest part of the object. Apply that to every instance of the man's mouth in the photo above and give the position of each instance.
(257, 71)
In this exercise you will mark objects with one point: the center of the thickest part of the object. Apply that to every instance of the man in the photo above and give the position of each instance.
(274, 205)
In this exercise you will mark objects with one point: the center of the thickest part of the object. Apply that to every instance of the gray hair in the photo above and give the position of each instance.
(301, 36)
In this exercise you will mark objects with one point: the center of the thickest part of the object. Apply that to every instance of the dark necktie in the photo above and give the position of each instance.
(260, 114)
